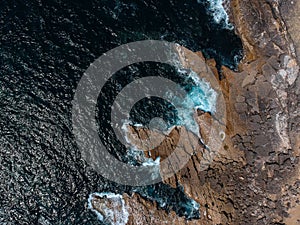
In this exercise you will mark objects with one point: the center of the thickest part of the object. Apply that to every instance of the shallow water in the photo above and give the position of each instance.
(45, 48)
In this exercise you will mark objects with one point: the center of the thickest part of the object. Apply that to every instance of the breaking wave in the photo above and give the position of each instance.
(217, 10)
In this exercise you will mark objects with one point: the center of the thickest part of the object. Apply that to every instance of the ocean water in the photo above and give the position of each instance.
(166, 112)
(45, 47)
(217, 9)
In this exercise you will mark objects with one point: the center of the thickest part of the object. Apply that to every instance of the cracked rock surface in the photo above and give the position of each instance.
(255, 177)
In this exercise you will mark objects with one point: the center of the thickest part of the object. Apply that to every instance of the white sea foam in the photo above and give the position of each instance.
(196, 205)
(216, 8)
(134, 154)
(116, 215)
(200, 96)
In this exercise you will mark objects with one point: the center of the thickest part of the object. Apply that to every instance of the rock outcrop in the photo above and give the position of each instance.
(255, 177)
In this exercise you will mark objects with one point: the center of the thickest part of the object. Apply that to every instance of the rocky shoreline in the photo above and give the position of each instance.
(255, 178)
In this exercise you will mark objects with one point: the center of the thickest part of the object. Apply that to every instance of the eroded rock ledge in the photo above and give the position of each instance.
(255, 177)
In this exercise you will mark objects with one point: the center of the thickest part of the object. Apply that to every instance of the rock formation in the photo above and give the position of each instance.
(254, 178)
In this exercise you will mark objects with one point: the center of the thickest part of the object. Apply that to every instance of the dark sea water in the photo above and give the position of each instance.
(45, 47)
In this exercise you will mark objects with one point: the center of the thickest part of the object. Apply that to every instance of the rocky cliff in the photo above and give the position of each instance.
(254, 178)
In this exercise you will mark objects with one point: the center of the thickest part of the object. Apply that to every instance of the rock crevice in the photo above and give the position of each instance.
(254, 178)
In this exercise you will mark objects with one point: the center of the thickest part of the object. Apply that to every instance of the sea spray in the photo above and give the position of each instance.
(171, 199)
(217, 10)
(200, 95)
(109, 207)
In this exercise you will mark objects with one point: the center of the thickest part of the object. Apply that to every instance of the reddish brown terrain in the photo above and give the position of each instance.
(254, 178)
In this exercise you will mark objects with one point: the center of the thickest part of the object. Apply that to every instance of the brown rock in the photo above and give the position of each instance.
(247, 180)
